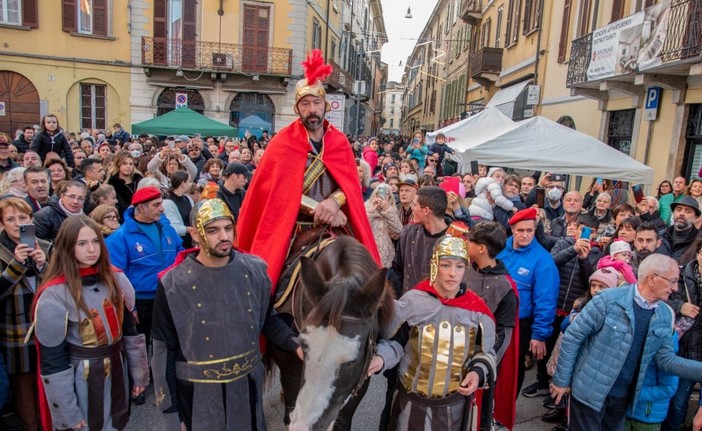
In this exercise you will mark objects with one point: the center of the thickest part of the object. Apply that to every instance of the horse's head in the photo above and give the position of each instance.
(346, 292)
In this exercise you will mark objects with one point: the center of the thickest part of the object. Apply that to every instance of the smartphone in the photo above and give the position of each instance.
(474, 168)
(638, 192)
(382, 192)
(27, 235)
(598, 180)
(585, 232)
(540, 197)
(171, 144)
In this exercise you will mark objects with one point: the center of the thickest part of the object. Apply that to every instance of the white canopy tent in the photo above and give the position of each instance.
(541, 144)
(475, 129)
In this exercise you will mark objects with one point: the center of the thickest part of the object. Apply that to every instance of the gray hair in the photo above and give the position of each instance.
(15, 174)
(653, 202)
(365, 181)
(654, 263)
(149, 182)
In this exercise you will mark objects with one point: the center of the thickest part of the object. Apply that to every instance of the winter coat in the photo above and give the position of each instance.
(657, 390)
(386, 227)
(48, 220)
(132, 251)
(573, 271)
(122, 135)
(536, 276)
(691, 341)
(597, 343)
(418, 154)
(233, 200)
(371, 157)
(124, 193)
(155, 163)
(43, 143)
(21, 144)
(678, 249)
(480, 206)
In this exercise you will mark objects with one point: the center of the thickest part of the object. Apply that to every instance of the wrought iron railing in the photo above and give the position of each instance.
(684, 37)
(683, 41)
(486, 60)
(580, 54)
(214, 56)
(340, 78)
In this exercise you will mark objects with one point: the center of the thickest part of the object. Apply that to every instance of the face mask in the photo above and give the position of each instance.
(135, 153)
(554, 195)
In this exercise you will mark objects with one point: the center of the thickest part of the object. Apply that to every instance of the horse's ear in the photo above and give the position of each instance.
(312, 280)
(368, 298)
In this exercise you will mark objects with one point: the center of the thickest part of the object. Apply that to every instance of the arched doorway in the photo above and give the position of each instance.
(254, 112)
(567, 121)
(167, 99)
(21, 102)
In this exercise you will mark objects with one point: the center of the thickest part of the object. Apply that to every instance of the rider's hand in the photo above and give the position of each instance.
(328, 212)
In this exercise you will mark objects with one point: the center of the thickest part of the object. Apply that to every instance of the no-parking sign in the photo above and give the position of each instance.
(336, 114)
(2, 109)
(181, 100)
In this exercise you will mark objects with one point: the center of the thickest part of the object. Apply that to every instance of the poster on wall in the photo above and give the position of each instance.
(631, 44)
(336, 114)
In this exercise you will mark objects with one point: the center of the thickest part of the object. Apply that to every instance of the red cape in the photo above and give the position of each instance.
(468, 301)
(272, 201)
(44, 411)
(506, 387)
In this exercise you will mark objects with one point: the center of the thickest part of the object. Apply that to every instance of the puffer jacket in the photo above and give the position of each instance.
(596, 344)
(657, 390)
(132, 251)
(573, 272)
(386, 227)
(691, 341)
(43, 143)
(371, 157)
(47, 221)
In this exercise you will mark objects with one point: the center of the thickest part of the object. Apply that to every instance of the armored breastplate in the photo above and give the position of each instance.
(439, 354)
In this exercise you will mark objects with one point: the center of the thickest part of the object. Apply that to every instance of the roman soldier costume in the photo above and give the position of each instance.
(437, 341)
(85, 354)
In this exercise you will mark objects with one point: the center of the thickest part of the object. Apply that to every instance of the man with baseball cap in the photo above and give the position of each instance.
(407, 190)
(232, 190)
(533, 270)
(678, 237)
(144, 245)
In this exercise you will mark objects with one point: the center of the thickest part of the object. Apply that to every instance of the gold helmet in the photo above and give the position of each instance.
(311, 84)
(448, 247)
(208, 211)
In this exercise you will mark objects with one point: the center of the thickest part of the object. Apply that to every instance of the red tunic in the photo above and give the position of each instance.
(272, 201)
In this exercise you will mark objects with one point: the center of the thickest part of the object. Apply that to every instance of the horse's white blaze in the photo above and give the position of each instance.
(327, 351)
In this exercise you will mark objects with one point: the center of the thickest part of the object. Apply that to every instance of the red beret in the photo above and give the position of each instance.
(527, 214)
(145, 195)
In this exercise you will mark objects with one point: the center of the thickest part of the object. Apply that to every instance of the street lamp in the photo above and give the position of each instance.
(408, 15)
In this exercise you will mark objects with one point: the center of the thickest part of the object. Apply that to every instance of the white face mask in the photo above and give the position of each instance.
(135, 153)
(554, 194)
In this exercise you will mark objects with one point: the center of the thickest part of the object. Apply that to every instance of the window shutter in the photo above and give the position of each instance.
(100, 17)
(650, 3)
(69, 15)
(526, 26)
(190, 20)
(508, 35)
(160, 19)
(617, 10)
(30, 13)
(565, 28)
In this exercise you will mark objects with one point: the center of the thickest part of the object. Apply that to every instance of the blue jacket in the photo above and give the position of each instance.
(132, 251)
(596, 344)
(537, 279)
(657, 390)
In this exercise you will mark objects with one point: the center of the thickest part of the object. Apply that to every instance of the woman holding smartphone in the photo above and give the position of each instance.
(384, 221)
(22, 266)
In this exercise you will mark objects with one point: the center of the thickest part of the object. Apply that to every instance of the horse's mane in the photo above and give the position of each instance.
(347, 266)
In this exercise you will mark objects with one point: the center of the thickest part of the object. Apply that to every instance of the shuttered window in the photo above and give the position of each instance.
(565, 28)
(30, 13)
(85, 17)
(617, 10)
(93, 106)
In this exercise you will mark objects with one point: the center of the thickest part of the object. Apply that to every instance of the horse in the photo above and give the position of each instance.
(344, 300)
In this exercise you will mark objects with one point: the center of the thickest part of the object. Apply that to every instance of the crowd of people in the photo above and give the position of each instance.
(113, 245)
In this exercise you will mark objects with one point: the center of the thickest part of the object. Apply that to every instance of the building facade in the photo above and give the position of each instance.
(66, 58)
(392, 108)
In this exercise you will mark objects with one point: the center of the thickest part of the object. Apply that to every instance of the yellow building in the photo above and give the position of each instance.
(67, 58)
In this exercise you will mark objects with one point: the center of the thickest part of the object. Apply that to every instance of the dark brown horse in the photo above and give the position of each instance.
(344, 300)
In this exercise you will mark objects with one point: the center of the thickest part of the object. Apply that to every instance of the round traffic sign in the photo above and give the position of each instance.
(335, 105)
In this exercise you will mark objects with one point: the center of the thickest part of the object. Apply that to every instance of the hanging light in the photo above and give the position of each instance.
(408, 15)
(400, 65)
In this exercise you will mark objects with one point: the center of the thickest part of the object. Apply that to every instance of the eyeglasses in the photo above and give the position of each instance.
(75, 198)
(670, 281)
(110, 217)
(432, 160)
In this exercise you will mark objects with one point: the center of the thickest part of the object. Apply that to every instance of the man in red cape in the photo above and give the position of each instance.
(272, 205)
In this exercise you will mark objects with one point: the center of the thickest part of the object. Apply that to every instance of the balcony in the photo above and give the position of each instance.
(340, 79)
(671, 52)
(215, 57)
(486, 64)
(472, 11)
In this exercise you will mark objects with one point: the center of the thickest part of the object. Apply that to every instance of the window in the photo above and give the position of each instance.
(85, 17)
(498, 28)
(693, 136)
(93, 106)
(532, 10)
(19, 12)
(392, 123)
(584, 21)
(316, 34)
(512, 33)
(333, 49)
(565, 28)
(485, 37)
(393, 99)
(466, 36)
